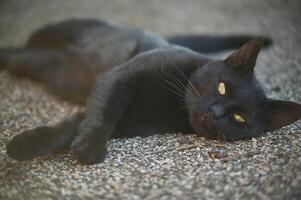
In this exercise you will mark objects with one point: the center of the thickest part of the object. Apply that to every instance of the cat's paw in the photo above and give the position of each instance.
(87, 151)
(32, 143)
(21, 147)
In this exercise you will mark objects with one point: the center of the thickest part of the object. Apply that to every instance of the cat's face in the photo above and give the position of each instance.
(228, 103)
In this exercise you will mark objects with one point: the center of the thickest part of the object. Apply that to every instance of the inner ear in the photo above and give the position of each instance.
(280, 113)
(244, 60)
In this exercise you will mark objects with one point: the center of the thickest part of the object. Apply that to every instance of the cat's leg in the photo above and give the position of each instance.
(112, 94)
(66, 73)
(44, 139)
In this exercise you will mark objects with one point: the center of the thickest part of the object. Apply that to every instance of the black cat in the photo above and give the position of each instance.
(142, 84)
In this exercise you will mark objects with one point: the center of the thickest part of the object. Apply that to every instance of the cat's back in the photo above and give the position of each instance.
(106, 44)
(62, 34)
(88, 33)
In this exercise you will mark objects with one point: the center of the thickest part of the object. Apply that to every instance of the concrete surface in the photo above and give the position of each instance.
(158, 167)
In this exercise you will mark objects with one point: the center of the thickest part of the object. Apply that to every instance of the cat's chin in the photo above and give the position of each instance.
(201, 128)
(203, 131)
(211, 135)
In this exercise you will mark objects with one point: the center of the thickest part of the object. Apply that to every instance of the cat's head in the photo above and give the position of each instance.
(228, 101)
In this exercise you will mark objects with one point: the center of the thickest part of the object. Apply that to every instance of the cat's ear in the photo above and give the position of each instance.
(278, 113)
(244, 59)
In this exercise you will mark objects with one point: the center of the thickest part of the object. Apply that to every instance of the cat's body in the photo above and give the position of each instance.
(143, 85)
(79, 50)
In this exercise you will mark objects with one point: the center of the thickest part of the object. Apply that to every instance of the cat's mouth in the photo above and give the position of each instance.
(203, 124)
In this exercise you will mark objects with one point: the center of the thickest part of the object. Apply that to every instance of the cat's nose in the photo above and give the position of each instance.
(218, 110)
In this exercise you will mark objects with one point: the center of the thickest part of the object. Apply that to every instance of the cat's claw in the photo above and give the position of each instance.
(86, 152)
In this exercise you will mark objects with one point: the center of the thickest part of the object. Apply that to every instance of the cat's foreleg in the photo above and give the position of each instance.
(44, 139)
(111, 96)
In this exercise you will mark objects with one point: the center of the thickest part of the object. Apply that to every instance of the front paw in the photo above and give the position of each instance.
(19, 148)
(88, 151)
(29, 144)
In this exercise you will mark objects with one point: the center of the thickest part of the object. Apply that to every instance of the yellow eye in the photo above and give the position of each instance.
(239, 118)
(221, 88)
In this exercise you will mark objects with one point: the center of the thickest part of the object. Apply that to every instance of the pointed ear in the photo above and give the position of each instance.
(244, 59)
(280, 113)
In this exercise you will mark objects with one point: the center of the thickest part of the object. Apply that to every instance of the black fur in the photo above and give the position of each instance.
(140, 84)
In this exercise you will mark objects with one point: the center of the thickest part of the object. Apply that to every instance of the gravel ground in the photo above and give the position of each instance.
(172, 166)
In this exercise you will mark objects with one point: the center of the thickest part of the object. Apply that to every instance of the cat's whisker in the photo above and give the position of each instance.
(178, 93)
(188, 91)
(180, 89)
(221, 134)
(188, 81)
(192, 86)
(191, 99)
(173, 91)
(179, 83)
(231, 136)
(190, 95)
(218, 134)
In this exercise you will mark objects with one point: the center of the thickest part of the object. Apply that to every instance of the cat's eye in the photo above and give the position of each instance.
(221, 88)
(239, 118)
